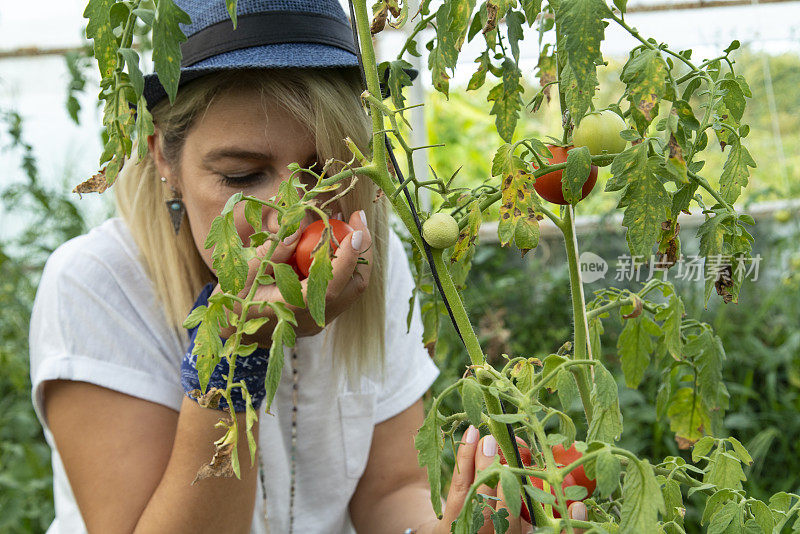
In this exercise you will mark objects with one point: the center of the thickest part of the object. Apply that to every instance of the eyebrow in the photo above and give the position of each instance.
(235, 153)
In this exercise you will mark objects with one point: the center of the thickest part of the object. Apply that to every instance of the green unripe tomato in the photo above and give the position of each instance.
(599, 132)
(440, 230)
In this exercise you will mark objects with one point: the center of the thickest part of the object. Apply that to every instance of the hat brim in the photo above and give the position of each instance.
(281, 56)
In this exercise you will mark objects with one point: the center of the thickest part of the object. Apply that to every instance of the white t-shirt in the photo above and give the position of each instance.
(96, 319)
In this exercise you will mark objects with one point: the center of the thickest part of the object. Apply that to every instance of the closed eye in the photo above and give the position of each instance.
(241, 180)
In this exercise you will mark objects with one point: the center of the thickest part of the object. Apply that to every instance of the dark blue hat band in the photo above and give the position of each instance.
(267, 28)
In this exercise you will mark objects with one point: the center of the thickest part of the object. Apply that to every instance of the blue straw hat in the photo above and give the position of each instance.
(269, 34)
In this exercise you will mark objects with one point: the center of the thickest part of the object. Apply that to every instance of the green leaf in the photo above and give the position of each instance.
(275, 363)
(231, 5)
(641, 499)
(607, 470)
(514, 21)
(398, 79)
(472, 400)
(724, 518)
(252, 325)
(505, 162)
(429, 441)
(229, 260)
(635, 345)
(289, 284)
(132, 61)
(673, 501)
(739, 451)
(319, 275)
(579, 165)
(762, 515)
(251, 417)
(531, 9)
(566, 388)
(253, 214)
(714, 504)
(672, 315)
(582, 28)
(511, 491)
(702, 448)
(606, 425)
(688, 418)
(167, 37)
(724, 470)
(735, 171)
(507, 100)
(479, 76)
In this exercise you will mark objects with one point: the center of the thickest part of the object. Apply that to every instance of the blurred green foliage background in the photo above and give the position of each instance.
(518, 306)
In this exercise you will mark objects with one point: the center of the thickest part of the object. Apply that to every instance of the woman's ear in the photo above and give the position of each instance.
(155, 147)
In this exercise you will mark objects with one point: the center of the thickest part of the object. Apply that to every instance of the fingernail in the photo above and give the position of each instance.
(489, 446)
(579, 512)
(289, 240)
(355, 241)
(471, 435)
(338, 216)
(363, 217)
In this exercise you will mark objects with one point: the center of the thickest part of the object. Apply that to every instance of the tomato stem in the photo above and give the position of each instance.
(581, 330)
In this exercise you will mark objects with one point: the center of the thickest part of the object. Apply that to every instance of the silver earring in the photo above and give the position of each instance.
(176, 208)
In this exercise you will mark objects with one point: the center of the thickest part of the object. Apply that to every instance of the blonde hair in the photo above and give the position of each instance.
(327, 103)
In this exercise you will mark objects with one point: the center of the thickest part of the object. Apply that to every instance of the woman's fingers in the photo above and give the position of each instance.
(346, 269)
(487, 450)
(463, 475)
(515, 523)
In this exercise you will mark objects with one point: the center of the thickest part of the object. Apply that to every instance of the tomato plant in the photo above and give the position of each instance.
(600, 132)
(659, 177)
(302, 257)
(569, 479)
(550, 187)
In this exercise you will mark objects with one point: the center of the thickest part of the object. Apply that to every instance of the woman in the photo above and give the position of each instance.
(110, 366)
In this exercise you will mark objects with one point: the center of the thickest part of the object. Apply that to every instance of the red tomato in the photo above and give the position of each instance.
(549, 185)
(566, 457)
(310, 238)
(525, 456)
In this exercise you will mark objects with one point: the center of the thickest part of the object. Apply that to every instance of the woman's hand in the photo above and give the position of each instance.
(350, 280)
(474, 455)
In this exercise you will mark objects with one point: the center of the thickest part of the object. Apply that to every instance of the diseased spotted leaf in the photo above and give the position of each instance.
(507, 100)
(101, 31)
(645, 77)
(229, 260)
(518, 214)
(583, 29)
(167, 37)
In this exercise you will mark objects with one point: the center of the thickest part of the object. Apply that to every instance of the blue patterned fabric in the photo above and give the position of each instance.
(205, 13)
(252, 369)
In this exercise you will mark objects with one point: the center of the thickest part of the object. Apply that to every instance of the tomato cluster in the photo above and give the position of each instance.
(302, 258)
(576, 477)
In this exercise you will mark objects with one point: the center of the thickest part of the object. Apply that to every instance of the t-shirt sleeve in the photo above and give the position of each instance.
(409, 372)
(95, 320)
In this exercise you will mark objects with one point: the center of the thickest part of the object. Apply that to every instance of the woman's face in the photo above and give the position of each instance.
(239, 144)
